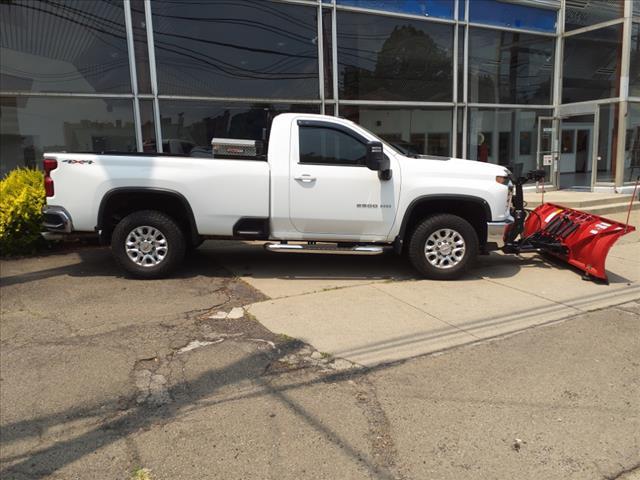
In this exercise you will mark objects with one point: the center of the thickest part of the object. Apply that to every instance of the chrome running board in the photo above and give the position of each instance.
(330, 249)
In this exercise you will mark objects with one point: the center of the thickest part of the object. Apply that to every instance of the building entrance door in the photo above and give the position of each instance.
(575, 168)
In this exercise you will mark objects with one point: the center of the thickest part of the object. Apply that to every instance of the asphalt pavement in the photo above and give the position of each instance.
(102, 376)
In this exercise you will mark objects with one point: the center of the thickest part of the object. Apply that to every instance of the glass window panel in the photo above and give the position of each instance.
(147, 121)
(496, 12)
(607, 143)
(632, 144)
(509, 67)
(461, 9)
(30, 126)
(504, 136)
(591, 65)
(411, 130)
(329, 109)
(330, 147)
(239, 49)
(568, 141)
(582, 13)
(387, 58)
(195, 123)
(425, 8)
(63, 47)
(461, 34)
(328, 52)
(459, 121)
(140, 46)
(634, 66)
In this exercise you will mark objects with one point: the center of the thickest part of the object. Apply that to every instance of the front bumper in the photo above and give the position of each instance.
(56, 219)
(495, 231)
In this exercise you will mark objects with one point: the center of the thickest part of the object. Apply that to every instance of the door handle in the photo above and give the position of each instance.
(305, 178)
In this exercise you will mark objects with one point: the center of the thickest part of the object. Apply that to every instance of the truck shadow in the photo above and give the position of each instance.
(226, 258)
(95, 262)
(251, 260)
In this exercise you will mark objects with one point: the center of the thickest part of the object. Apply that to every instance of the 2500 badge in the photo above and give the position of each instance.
(373, 205)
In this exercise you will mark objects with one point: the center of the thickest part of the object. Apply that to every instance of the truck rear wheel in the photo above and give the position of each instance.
(148, 244)
(443, 246)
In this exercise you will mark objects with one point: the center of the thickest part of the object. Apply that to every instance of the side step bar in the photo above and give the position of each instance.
(331, 249)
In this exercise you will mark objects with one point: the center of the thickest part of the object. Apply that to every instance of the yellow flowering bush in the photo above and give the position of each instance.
(22, 197)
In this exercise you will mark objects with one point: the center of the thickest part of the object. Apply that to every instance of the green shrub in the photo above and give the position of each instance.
(22, 197)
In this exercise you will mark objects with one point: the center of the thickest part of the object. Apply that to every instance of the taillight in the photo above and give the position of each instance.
(49, 164)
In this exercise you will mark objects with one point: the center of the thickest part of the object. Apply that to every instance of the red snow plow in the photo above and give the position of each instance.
(578, 238)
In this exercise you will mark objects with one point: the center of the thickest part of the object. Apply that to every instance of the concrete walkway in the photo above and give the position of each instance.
(372, 310)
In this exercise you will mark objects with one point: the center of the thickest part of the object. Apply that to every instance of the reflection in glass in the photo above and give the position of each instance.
(140, 46)
(327, 48)
(567, 141)
(607, 143)
(582, 13)
(410, 130)
(591, 65)
(189, 126)
(634, 65)
(461, 33)
(504, 14)
(508, 67)
(459, 128)
(504, 136)
(632, 144)
(30, 126)
(63, 47)
(148, 126)
(423, 8)
(239, 48)
(386, 58)
(330, 147)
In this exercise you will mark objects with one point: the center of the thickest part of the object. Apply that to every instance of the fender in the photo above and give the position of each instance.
(437, 197)
(137, 190)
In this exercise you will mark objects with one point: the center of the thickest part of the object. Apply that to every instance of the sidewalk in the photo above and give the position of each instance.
(374, 310)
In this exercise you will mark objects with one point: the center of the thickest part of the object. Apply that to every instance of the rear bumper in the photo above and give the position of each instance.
(56, 219)
(495, 231)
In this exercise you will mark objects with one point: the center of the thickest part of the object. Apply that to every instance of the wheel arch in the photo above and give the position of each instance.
(121, 201)
(475, 210)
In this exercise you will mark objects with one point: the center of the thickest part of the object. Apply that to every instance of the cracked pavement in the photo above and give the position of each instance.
(101, 375)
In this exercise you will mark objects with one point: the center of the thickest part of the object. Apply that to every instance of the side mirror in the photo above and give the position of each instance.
(376, 159)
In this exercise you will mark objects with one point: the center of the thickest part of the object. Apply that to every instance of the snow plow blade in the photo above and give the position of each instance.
(579, 238)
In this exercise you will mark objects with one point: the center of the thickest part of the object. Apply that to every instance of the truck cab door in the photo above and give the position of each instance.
(332, 192)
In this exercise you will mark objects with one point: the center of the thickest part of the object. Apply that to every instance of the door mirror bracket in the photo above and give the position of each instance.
(376, 160)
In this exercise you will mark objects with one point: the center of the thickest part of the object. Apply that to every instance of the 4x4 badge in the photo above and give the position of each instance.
(78, 162)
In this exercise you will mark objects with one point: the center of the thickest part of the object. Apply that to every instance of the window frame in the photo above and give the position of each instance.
(336, 127)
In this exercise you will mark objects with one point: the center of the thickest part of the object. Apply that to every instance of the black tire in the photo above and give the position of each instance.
(152, 264)
(434, 229)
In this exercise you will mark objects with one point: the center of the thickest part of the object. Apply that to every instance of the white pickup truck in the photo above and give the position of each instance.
(324, 185)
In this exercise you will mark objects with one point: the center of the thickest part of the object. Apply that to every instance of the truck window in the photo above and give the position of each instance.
(330, 147)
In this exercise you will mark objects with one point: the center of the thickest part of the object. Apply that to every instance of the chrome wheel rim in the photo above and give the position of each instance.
(146, 246)
(445, 248)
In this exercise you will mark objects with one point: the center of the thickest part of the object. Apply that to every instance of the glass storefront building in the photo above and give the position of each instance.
(526, 83)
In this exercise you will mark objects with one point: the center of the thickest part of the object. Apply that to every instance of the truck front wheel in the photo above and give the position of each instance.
(443, 246)
(148, 244)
